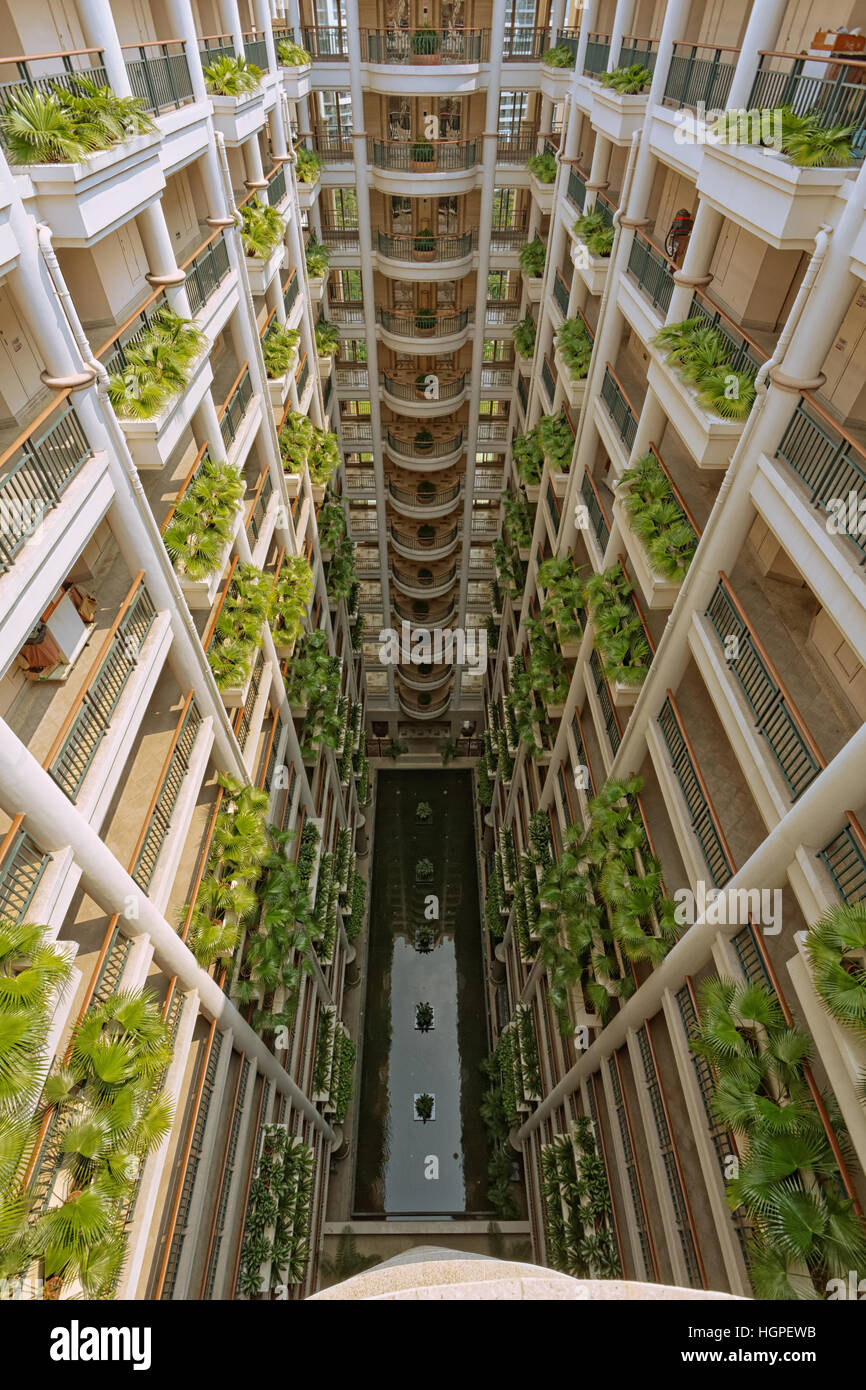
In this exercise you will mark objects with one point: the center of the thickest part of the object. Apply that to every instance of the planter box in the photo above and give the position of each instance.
(284, 650)
(534, 285)
(772, 198)
(557, 477)
(293, 484)
(152, 442)
(261, 272)
(417, 1096)
(591, 269)
(319, 490)
(574, 386)
(317, 287)
(200, 593)
(532, 490)
(278, 389)
(710, 439)
(308, 193)
(239, 118)
(657, 591)
(624, 695)
(84, 201)
(617, 115)
(296, 81)
(542, 193)
(569, 648)
(325, 365)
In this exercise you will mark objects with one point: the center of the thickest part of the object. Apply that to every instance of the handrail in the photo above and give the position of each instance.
(710, 47)
(710, 304)
(43, 57)
(814, 404)
(166, 763)
(699, 776)
(72, 713)
(609, 369)
(234, 386)
(25, 434)
(151, 43)
(256, 495)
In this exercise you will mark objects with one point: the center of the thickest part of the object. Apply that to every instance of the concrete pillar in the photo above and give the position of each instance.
(674, 26)
(253, 167)
(762, 32)
(695, 272)
(230, 22)
(100, 31)
(623, 21)
(164, 272)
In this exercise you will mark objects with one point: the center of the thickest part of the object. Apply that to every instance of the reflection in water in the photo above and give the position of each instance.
(404, 1165)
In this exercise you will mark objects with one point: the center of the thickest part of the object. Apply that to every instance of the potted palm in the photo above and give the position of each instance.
(422, 155)
(424, 813)
(262, 231)
(423, 441)
(424, 1107)
(317, 258)
(425, 46)
(237, 97)
(424, 1017)
(425, 320)
(423, 245)
(166, 372)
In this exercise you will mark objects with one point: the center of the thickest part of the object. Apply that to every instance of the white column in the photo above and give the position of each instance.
(675, 20)
(230, 23)
(97, 21)
(695, 271)
(762, 32)
(253, 168)
(164, 271)
(622, 24)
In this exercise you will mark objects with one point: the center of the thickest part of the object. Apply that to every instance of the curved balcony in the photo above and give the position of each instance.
(409, 167)
(425, 393)
(418, 452)
(425, 677)
(420, 257)
(424, 500)
(422, 613)
(425, 583)
(418, 48)
(419, 711)
(414, 546)
(415, 332)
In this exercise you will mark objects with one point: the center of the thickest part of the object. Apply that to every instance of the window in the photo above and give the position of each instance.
(340, 208)
(513, 114)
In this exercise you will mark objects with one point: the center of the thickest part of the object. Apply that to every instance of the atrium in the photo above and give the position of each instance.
(433, 637)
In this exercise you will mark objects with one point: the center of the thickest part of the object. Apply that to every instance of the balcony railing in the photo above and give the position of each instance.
(290, 291)
(426, 580)
(492, 430)
(635, 50)
(355, 378)
(608, 713)
(745, 355)
(344, 240)
(419, 497)
(597, 54)
(500, 312)
(159, 74)
(165, 800)
(497, 378)
(356, 431)
(235, 407)
(523, 43)
(72, 755)
(776, 717)
(206, 272)
(303, 376)
(486, 480)
(435, 619)
(436, 542)
(701, 812)
(548, 376)
(437, 448)
(256, 50)
(413, 46)
(215, 46)
(423, 324)
(35, 472)
(435, 706)
(346, 311)
(516, 149)
(830, 463)
(76, 62)
(561, 293)
(505, 239)
(409, 391)
(418, 247)
(359, 481)
(619, 407)
(327, 41)
(836, 96)
(652, 270)
(522, 391)
(276, 189)
(422, 156)
(844, 857)
(700, 73)
(595, 510)
(335, 151)
(258, 511)
(576, 188)
(22, 865)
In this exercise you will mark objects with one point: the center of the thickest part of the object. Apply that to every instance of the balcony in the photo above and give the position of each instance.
(602, 706)
(399, 166)
(327, 43)
(698, 812)
(22, 866)
(152, 868)
(599, 521)
(416, 331)
(576, 188)
(844, 858)
(658, 591)
(210, 285)
(516, 149)
(573, 385)
(424, 583)
(347, 313)
(650, 271)
(416, 451)
(425, 393)
(426, 499)
(335, 151)
(502, 314)
(497, 380)
(830, 464)
(425, 679)
(360, 483)
(352, 378)
(700, 75)
(159, 74)
(415, 256)
(342, 241)
(419, 611)
(240, 417)
(355, 432)
(434, 547)
(836, 94)
(277, 192)
(597, 54)
(617, 417)
(412, 61)
(507, 241)
(424, 705)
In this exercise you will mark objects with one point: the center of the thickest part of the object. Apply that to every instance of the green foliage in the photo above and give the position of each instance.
(806, 139)
(559, 56)
(280, 347)
(228, 76)
(317, 257)
(528, 456)
(303, 444)
(202, 522)
(835, 946)
(594, 232)
(700, 354)
(327, 338)
(63, 126)
(424, 1107)
(556, 440)
(293, 589)
(313, 680)
(575, 346)
(248, 606)
(158, 363)
(565, 599)
(532, 257)
(276, 1225)
(226, 899)
(355, 920)
(579, 1231)
(499, 1114)
(630, 81)
(543, 166)
(524, 337)
(656, 516)
(308, 166)
(262, 228)
(619, 635)
(292, 55)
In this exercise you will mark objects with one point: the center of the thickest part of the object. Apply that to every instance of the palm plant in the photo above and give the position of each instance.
(806, 139)
(317, 257)
(532, 256)
(262, 228)
(67, 124)
(543, 166)
(292, 55)
(424, 1106)
(324, 456)
(232, 77)
(628, 81)
(308, 166)
(556, 440)
(202, 523)
(524, 337)
(293, 590)
(424, 1017)
(424, 813)
(559, 56)
(157, 365)
(619, 634)
(296, 440)
(836, 946)
(279, 348)
(702, 357)
(565, 596)
(655, 515)
(238, 635)
(574, 345)
(595, 233)
(327, 338)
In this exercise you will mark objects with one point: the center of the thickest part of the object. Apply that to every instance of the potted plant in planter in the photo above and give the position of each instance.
(426, 490)
(423, 441)
(560, 56)
(594, 232)
(308, 166)
(629, 81)
(524, 337)
(422, 154)
(424, 1017)
(424, 246)
(280, 349)
(63, 127)
(426, 534)
(425, 320)
(701, 356)
(425, 1107)
(543, 166)
(532, 257)
(317, 257)
(327, 338)
(424, 813)
(421, 385)
(157, 366)
(292, 55)
(425, 46)
(424, 939)
(232, 77)
(424, 870)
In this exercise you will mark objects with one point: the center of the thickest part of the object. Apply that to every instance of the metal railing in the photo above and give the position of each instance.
(844, 858)
(20, 873)
(167, 795)
(359, 481)
(255, 50)
(70, 764)
(343, 240)
(497, 378)
(702, 816)
(652, 270)
(516, 149)
(69, 65)
(413, 46)
(416, 391)
(780, 722)
(206, 272)
(435, 706)
(235, 407)
(506, 239)
(345, 311)
(831, 464)
(490, 430)
(356, 431)
(597, 54)
(159, 74)
(500, 312)
(276, 189)
(327, 41)
(215, 46)
(523, 42)
(355, 378)
(838, 97)
(421, 247)
(426, 580)
(35, 473)
(595, 511)
(608, 713)
(410, 448)
(635, 50)
(302, 377)
(548, 376)
(485, 480)
(423, 324)
(700, 73)
(745, 355)
(260, 507)
(129, 334)
(576, 188)
(334, 151)
(422, 497)
(290, 291)
(422, 156)
(561, 293)
(619, 409)
(422, 543)
(522, 391)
